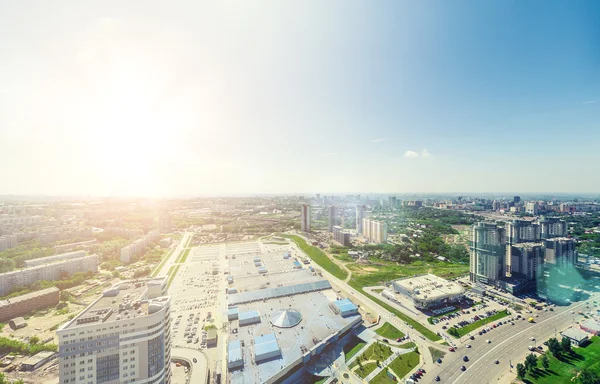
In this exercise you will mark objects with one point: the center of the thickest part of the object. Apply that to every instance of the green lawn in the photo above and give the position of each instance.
(365, 370)
(162, 263)
(388, 331)
(319, 257)
(464, 330)
(172, 273)
(376, 351)
(353, 347)
(400, 366)
(408, 345)
(561, 372)
(378, 290)
(436, 353)
(185, 255)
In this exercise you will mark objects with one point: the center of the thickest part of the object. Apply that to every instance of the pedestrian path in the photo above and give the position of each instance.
(387, 361)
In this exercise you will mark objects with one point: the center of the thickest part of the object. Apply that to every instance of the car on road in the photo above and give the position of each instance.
(488, 341)
(437, 378)
(465, 358)
(532, 338)
(496, 362)
(386, 341)
(439, 360)
(468, 345)
(451, 349)
(463, 368)
(472, 337)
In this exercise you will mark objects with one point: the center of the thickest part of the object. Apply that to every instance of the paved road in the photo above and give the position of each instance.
(199, 371)
(174, 255)
(509, 344)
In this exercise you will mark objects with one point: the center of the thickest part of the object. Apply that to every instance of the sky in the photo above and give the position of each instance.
(184, 98)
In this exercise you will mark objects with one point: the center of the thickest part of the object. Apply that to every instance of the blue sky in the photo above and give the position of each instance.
(144, 98)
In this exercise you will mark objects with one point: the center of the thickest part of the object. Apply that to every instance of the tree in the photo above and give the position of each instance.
(545, 362)
(565, 344)
(587, 376)
(554, 347)
(34, 340)
(530, 362)
(521, 370)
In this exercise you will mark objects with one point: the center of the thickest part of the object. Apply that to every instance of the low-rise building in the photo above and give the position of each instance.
(577, 336)
(429, 291)
(37, 360)
(24, 304)
(590, 326)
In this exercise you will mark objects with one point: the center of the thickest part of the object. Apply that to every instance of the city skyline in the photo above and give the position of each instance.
(213, 99)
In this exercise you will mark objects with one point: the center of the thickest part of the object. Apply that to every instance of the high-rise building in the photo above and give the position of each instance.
(305, 218)
(122, 337)
(361, 211)
(560, 251)
(332, 217)
(553, 227)
(532, 207)
(393, 201)
(375, 231)
(517, 199)
(487, 253)
(526, 260)
(341, 236)
(318, 196)
(520, 231)
(495, 205)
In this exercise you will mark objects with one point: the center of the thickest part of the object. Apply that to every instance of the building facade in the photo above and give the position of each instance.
(332, 217)
(552, 227)
(375, 231)
(526, 260)
(122, 337)
(305, 218)
(24, 304)
(560, 252)
(361, 211)
(341, 236)
(488, 243)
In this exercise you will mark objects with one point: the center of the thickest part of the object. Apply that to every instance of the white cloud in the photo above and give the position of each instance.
(377, 140)
(425, 153)
(590, 102)
(411, 154)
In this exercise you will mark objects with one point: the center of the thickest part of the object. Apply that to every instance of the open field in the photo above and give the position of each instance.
(400, 366)
(479, 323)
(319, 257)
(375, 352)
(364, 371)
(561, 371)
(436, 353)
(388, 331)
(353, 348)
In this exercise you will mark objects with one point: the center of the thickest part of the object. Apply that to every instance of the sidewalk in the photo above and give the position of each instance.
(387, 361)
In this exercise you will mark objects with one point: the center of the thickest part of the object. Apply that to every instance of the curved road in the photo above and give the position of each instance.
(198, 371)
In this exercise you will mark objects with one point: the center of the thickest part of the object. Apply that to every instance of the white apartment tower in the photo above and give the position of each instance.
(305, 218)
(122, 337)
(487, 253)
(332, 217)
(375, 231)
(361, 211)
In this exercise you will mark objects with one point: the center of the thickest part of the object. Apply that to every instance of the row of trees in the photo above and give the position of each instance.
(11, 345)
(70, 282)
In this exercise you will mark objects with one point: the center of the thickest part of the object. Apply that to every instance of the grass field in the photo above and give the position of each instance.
(408, 345)
(162, 263)
(400, 366)
(364, 371)
(471, 327)
(376, 351)
(388, 331)
(319, 257)
(184, 257)
(562, 371)
(352, 348)
(172, 273)
(436, 353)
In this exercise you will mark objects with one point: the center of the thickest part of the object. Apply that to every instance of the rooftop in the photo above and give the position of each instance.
(575, 334)
(591, 324)
(126, 300)
(429, 286)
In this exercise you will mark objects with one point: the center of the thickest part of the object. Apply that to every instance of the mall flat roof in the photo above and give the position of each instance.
(429, 286)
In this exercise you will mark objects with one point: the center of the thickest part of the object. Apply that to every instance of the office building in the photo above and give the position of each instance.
(54, 271)
(24, 304)
(332, 217)
(526, 260)
(375, 231)
(393, 201)
(517, 199)
(122, 337)
(520, 231)
(487, 253)
(552, 227)
(496, 205)
(305, 218)
(341, 236)
(361, 212)
(428, 291)
(532, 208)
(560, 252)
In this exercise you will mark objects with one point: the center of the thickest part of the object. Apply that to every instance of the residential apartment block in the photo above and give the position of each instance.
(122, 337)
(375, 231)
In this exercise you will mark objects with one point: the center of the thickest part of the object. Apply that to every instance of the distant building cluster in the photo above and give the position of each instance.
(138, 246)
(375, 231)
(8, 242)
(305, 218)
(519, 250)
(517, 206)
(48, 268)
